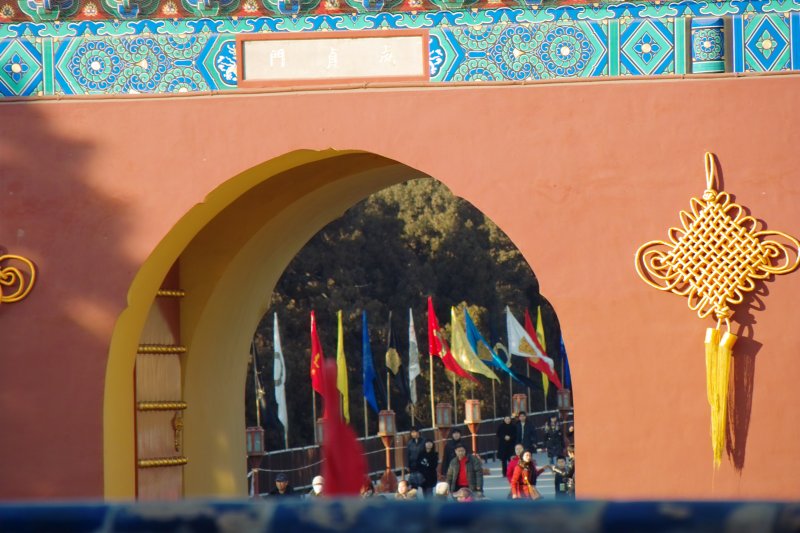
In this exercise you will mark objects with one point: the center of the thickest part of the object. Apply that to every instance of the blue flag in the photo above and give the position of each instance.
(567, 374)
(369, 367)
(481, 347)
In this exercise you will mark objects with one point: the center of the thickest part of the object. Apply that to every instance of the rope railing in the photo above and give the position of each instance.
(300, 464)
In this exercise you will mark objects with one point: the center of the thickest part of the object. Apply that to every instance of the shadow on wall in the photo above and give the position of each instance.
(740, 386)
(55, 342)
(742, 377)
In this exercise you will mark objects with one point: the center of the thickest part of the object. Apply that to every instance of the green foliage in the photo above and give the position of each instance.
(388, 253)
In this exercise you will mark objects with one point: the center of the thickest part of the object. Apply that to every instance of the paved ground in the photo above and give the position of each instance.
(495, 485)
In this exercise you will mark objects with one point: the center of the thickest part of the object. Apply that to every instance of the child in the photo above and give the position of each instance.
(561, 477)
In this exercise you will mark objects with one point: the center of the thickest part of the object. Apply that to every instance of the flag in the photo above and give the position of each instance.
(413, 358)
(261, 401)
(537, 335)
(341, 371)
(463, 352)
(537, 340)
(437, 346)
(400, 378)
(542, 344)
(522, 378)
(482, 348)
(344, 465)
(567, 374)
(279, 376)
(393, 361)
(521, 343)
(317, 358)
(368, 366)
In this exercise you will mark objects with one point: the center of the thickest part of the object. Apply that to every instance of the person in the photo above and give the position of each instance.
(450, 449)
(554, 440)
(282, 486)
(506, 435)
(518, 449)
(526, 433)
(367, 489)
(523, 481)
(465, 471)
(427, 463)
(414, 448)
(545, 431)
(560, 478)
(404, 492)
(316, 487)
(441, 491)
(571, 470)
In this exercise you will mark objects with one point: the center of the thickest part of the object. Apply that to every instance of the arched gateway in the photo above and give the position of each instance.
(228, 252)
(108, 196)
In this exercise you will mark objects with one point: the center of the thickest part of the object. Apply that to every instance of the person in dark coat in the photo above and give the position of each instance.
(526, 433)
(506, 438)
(560, 481)
(414, 448)
(554, 440)
(450, 448)
(282, 486)
(465, 471)
(427, 462)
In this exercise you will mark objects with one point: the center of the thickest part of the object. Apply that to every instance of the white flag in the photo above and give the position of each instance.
(521, 344)
(279, 375)
(413, 357)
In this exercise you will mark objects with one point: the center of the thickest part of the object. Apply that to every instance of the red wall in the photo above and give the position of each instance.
(578, 174)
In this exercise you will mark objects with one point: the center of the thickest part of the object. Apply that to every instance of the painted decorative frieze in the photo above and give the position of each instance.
(81, 47)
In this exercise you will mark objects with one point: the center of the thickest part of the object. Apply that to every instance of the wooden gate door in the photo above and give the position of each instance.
(159, 404)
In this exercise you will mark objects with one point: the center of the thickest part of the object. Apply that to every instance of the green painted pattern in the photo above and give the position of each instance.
(197, 54)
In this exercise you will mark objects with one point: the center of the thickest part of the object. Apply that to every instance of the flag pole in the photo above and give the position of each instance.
(528, 368)
(314, 413)
(455, 399)
(366, 414)
(388, 393)
(255, 383)
(412, 415)
(510, 392)
(494, 400)
(433, 409)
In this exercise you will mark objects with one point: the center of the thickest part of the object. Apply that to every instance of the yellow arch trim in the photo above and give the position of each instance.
(232, 249)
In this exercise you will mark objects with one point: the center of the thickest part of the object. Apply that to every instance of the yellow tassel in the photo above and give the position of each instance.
(718, 366)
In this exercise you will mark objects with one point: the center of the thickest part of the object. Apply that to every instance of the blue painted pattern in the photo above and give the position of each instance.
(708, 44)
(142, 53)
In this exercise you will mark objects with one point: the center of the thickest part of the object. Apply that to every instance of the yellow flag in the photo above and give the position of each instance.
(540, 337)
(463, 352)
(341, 372)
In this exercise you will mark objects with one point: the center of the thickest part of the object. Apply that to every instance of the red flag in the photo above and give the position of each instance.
(535, 362)
(344, 466)
(317, 378)
(437, 346)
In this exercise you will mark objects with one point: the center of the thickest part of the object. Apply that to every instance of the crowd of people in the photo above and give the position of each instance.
(517, 441)
(461, 474)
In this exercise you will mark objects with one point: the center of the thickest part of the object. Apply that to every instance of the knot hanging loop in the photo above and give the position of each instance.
(723, 315)
(710, 194)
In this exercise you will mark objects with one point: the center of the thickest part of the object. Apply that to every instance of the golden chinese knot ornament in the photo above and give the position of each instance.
(714, 259)
(13, 284)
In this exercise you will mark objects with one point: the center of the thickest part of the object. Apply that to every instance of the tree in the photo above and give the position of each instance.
(388, 253)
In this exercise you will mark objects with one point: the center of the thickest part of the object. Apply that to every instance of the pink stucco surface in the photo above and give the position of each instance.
(577, 174)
